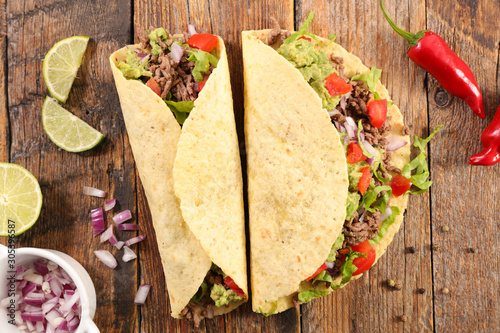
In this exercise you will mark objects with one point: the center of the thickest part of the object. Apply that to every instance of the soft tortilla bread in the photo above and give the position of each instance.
(273, 90)
(157, 141)
(297, 176)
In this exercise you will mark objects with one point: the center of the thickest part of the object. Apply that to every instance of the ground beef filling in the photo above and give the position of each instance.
(205, 307)
(171, 76)
(276, 34)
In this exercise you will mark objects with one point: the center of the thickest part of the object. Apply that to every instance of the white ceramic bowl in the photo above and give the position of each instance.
(78, 274)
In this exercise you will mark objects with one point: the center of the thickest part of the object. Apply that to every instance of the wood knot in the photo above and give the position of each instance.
(442, 98)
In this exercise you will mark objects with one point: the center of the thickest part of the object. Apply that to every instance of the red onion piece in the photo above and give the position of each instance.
(113, 240)
(35, 299)
(96, 212)
(128, 226)
(394, 143)
(351, 127)
(122, 217)
(40, 268)
(333, 113)
(29, 288)
(370, 160)
(135, 240)
(109, 205)
(142, 293)
(70, 302)
(330, 264)
(107, 234)
(32, 316)
(176, 52)
(369, 147)
(95, 192)
(73, 324)
(129, 254)
(191, 30)
(346, 140)
(143, 59)
(196, 87)
(106, 258)
(97, 226)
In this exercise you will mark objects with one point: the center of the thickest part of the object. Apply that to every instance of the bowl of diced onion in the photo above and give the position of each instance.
(44, 291)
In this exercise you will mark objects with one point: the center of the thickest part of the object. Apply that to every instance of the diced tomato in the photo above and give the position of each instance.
(231, 284)
(319, 270)
(336, 85)
(354, 153)
(400, 184)
(365, 179)
(204, 42)
(154, 86)
(306, 38)
(202, 84)
(377, 110)
(364, 264)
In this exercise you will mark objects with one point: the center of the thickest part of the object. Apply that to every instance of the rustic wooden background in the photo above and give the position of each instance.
(464, 198)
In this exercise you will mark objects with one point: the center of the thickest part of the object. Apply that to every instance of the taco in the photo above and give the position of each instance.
(307, 89)
(176, 100)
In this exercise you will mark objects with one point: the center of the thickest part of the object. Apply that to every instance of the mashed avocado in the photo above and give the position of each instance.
(313, 65)
(132, 67)
(222, 296)
(336, 246)
(153, 37)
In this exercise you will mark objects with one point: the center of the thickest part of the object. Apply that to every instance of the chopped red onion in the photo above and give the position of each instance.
(191, 30)
(134, 240)
(38, 305)
(97, 226)
(106, 258)
(113, 240)
(128, 254)
(95, 192)
(142, 293)
(362, 217)
(351, 127)
(96, 212)
(394, 143)
(369, 147)
(119, 245)
(122, 217)
(109, 205)
(330, 264)
(176, 52)
(143, 59)
(127, 226)
(107, 234)
(70, 302)
(388, 211)
(346, 140)
(196, 87)
(370, 160)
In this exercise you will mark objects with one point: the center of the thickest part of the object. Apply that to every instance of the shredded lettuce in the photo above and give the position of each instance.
(385, 225)
(202, 61)
(335, 247)
(180, 109)
(370, 196)
(374, 169)
(306, 295)
(132, 67)
(323, 276)
(348, 268)
(153, 37)
(275, 307)
(365, 152)
(352, 204)
(419, 164)
(302, 30)
(200, 293)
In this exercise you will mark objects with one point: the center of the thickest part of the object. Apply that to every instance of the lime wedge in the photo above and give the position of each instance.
(61, 64)
(67, 131)
(20, 199)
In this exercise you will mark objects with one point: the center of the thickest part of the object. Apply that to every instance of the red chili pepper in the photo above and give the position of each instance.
(491, 144)
(431, 52)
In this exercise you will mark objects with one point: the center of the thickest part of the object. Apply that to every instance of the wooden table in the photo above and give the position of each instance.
(464, 198)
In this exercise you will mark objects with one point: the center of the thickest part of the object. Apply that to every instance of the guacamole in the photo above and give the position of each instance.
(132, 68)
(314, 66)
(222, 296)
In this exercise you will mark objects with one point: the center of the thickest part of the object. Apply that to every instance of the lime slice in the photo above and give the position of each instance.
(20, 199)
(61, 64)
(67, 131)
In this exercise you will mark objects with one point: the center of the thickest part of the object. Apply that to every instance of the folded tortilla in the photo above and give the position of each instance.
(297, 178)
(192, 180)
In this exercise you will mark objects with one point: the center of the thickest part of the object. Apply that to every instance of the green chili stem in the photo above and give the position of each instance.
(405, 34)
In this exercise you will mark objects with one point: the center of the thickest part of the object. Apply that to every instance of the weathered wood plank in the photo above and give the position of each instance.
(367, 304)
(4, 117)
(64, 224)
(464, 197)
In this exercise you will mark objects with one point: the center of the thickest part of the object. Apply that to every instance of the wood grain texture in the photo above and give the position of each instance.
(465, 197)
(32, 28)
(4, 116)
(367, 304)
